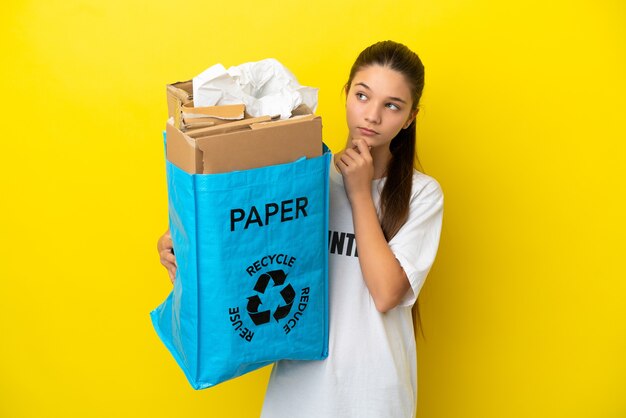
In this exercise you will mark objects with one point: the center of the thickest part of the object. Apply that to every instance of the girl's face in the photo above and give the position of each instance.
(378, 105)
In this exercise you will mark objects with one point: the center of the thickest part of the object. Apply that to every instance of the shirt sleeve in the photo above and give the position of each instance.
(416, 243)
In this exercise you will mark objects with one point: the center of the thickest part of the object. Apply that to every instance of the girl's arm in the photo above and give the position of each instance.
(384, 277)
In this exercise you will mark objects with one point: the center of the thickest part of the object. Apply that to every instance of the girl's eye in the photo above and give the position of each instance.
(392, 106)
(361, 96)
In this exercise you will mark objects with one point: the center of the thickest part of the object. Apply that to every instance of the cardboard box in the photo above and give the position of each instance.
(244, 144)
(178, 94)
(218, 144)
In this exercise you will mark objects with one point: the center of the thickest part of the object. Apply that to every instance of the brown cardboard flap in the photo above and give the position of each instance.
(248, 148)
(301, 110)
(253, 148)
(295, 119)
(230, 112)
(196, 123)
(178, 94)
(182, 150)
(183, 91)
(239, 125)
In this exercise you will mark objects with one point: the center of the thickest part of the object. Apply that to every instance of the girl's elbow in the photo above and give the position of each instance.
(383, 308)
(388, 298)
(386, 303)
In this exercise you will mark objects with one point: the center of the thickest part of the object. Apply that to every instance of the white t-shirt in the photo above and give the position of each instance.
(371, 368)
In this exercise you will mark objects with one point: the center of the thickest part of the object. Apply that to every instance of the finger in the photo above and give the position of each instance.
(346, 160)
(168, 257)
(167, 235)
(172, 273)
(164, 244)
(167, 262)
(341, 166)
(351, 155)
(167, 265)
(356, 142)
(362, 147)
(353, 158)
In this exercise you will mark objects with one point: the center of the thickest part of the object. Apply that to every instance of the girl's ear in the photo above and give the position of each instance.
(411, 118)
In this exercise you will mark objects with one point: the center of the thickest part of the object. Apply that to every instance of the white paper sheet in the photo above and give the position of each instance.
(266, 88)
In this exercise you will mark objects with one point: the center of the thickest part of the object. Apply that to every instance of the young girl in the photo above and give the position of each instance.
(393, 214)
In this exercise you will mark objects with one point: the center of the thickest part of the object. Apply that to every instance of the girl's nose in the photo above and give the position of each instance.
(372, 114)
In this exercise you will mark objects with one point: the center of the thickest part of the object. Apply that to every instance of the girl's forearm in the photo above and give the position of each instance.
(384, 276)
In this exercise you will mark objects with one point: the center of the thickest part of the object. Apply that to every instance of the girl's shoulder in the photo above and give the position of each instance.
(425, 187)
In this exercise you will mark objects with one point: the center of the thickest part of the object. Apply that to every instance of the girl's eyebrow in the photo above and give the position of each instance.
(390, 98)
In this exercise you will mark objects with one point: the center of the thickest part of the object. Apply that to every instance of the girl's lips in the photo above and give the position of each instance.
(367, 132)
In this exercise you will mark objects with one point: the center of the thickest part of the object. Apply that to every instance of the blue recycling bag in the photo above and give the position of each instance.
(251, 286)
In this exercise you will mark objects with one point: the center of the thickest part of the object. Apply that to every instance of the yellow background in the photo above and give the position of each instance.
(522, 123)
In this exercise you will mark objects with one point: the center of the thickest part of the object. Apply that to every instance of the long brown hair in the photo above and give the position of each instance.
(396, 193)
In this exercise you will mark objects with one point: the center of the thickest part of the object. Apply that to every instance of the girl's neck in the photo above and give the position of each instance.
(382, 157)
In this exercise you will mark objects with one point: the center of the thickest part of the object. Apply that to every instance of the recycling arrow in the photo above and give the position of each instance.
(277, 276)
(288, 295)
(257, 317)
